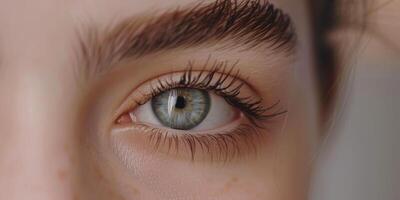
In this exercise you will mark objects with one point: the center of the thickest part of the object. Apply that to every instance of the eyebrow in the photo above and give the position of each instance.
(248, 24)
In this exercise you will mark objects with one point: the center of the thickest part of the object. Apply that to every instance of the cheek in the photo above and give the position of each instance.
(120, 168)
(129, 173)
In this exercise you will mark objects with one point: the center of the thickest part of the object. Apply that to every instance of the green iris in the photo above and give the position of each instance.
(181, 108)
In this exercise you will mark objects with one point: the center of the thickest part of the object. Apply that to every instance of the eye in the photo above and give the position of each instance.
(211, 114)
(186, 109)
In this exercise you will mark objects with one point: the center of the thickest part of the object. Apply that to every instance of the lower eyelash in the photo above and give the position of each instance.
(217, 147)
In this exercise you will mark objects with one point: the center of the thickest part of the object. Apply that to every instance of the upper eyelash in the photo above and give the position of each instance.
(225, 80)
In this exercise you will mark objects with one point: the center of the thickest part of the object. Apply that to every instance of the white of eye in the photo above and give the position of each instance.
(219, 115)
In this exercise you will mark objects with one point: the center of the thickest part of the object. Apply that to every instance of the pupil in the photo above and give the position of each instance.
(180, 102)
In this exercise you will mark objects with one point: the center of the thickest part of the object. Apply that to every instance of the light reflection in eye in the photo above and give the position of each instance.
(186, 109)
(181, 108)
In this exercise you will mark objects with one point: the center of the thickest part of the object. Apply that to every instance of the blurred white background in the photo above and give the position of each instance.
(361, 159)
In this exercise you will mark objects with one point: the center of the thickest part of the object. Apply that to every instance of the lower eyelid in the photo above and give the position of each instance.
(221, 145)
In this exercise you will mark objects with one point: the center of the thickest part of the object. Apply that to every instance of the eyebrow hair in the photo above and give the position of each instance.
(248, 23)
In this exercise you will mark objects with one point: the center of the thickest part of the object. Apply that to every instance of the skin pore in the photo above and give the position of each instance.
(77, 75)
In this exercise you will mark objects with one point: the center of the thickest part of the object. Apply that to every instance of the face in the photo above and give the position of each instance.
(156, 99)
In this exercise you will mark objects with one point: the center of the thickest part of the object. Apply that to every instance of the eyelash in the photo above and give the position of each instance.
(222, 147)
(221, 79)
(226, 82)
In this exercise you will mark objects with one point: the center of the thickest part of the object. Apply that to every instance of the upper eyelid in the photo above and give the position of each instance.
(257, 22)
(154, 81)
(219, 70)
(138, 90)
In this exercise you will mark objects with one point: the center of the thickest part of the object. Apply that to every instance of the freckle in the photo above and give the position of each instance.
(98, 173)
(76, 197)
(135, 191)
(66, 147)
(230, 183)
(62, 174)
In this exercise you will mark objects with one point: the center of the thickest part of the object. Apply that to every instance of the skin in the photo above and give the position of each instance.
(58, 135)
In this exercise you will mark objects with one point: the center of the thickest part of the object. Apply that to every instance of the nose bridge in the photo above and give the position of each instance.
(37, 154)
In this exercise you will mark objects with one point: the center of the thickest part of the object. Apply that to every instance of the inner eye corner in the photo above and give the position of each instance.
(122, 119)
(123, 115)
